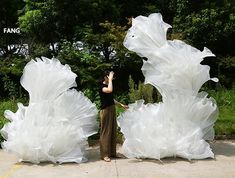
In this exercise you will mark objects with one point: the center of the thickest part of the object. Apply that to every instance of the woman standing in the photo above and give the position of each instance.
(108, 117)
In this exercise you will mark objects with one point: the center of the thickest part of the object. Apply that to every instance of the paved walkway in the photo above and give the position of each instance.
(221, 167)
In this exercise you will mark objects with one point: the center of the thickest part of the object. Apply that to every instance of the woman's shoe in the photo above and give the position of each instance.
(107, 159)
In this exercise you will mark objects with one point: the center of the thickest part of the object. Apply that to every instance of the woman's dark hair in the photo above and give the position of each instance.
(105, 73)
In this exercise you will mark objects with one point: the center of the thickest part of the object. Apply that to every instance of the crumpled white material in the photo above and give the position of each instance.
(180, 124)
(57, 121)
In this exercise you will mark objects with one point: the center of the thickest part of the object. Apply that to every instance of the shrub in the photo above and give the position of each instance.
(141, 91)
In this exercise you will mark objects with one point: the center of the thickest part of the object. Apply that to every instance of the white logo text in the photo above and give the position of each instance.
(11, 30)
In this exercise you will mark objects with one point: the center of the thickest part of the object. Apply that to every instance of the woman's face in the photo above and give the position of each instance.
(106, 80)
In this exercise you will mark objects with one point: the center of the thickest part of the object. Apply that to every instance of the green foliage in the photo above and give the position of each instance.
(85, 64)
(106, 45)
(210, 24)
(227, 62)
(12, 65)
(108, 42)
(122, 97)
(31, 21)
(11, 71)
(38, 50)
(10, 87)
(93, 95)
(6, 105)
(225, 125)
(226, 68)
(38, 21)
(140, 91)
(115, 34)
(225, 98)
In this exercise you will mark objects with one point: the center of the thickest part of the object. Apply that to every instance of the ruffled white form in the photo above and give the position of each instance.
(57, 121)
(180, 124)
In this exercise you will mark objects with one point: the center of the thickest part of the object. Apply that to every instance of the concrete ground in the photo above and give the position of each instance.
(222, 166)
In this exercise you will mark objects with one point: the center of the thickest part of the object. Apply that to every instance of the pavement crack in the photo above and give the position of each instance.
(116, 168)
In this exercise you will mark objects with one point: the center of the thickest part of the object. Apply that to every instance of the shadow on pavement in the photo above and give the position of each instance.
(223, 148)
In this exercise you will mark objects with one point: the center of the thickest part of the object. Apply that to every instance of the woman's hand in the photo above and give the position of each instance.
(125, 106)
(110, 77)
(120, 104)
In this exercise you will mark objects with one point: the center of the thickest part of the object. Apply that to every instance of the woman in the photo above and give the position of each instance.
(108, 117)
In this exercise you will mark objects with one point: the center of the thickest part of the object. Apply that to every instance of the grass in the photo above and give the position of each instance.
(6, 105)
(225, 124)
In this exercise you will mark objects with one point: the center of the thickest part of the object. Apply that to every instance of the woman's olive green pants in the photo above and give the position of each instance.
(108, 127)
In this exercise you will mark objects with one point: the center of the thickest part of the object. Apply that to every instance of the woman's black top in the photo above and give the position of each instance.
(106, 98)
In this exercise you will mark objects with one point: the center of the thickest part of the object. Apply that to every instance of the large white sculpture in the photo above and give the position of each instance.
(180, 124)
(57, 121)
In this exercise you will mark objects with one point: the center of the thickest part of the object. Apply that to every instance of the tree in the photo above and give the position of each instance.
(212, 24)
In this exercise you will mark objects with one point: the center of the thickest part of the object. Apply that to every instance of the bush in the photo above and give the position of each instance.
(93, 95)
(11, 71)
(141, 91)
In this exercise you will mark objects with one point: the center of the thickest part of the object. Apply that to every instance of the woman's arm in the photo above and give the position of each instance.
(120, 104)
(109, 89)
